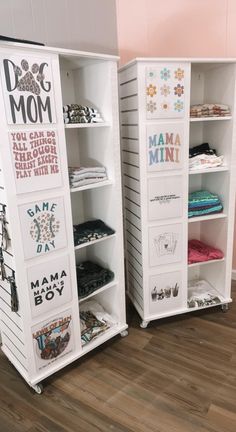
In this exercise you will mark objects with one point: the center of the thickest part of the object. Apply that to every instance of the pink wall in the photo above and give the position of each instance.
(177, 28)
(191, 28)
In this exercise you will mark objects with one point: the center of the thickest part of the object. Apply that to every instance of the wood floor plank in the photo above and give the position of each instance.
(178, 375)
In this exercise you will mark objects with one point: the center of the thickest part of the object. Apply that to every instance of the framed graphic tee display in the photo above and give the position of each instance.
(35, 159)
(165, 197)
(43, 226)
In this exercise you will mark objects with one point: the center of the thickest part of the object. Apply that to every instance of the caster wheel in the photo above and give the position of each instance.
(225, 307)
(144, 324)
(124, 333)
(38, 388)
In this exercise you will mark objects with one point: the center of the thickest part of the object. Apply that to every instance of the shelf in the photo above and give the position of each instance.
(94, 241)
(86, 125)
(206, 218)
(92, 186)
(206, 262)
(208, 170)
(225, 301)
(100, 290)
(111, 332)
(201, 119)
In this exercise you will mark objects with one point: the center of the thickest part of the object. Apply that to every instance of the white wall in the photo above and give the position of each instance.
(87, 25)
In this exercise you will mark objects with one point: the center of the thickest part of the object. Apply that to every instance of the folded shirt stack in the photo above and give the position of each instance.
(94, 320)
(91, 277)
(201, 293)
(201, 252)
(202, 203)
(81, 176)
(209, 110)
(90, 231)
(202, 156)
(75, 113)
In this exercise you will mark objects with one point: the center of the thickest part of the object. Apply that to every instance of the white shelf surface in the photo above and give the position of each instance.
(208, 217)
(98, 291)
(108, 334)
(89, 243)
(208, 170)
(206, 262)
(201, 119)
(86, 125)
(92, 186)
(184, 310)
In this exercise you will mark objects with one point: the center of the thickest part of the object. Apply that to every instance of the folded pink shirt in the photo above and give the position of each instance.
(200, 252)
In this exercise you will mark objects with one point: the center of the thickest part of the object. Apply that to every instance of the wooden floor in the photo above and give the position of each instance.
(178, 375)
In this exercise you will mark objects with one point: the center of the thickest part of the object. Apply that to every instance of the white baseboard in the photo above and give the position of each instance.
(234, 274)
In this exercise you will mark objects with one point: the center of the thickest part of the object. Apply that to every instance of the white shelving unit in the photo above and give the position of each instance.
(156, 133)
(43, 335)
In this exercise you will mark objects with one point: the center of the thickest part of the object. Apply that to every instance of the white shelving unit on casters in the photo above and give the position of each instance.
(43, 334)
(156, 133)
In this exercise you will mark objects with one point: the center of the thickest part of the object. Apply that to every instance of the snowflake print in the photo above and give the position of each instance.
(151, 106)
(165, 90)
(165, 106)
(179, 74)
(179, 90)
(165, 74)
(179, 106)
(151, 90)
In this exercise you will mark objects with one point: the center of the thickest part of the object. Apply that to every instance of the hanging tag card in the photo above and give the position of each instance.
(53, 339)
(27, 83)
(35, 159)
(43, 226)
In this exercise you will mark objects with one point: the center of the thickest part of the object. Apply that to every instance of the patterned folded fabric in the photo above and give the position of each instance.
(90, 231)
(90, 277)
(202, 196)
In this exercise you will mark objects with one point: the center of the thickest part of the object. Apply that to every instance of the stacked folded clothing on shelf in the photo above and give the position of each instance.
(81, 176)
(201, 293)
(202, 156)
(74, 113)
(202, 203)
(94, 321)
(209, 110)
(91, 277)
(201, 252)
(90, 231)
